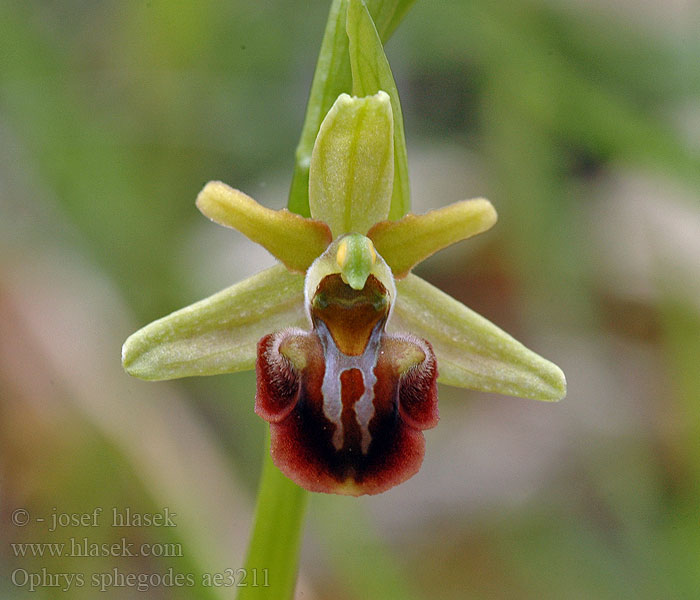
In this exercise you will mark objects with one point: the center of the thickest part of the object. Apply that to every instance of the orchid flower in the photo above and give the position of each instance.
(348, 344)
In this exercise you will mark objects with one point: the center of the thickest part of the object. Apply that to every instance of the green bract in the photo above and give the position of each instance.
(371, 73)
(339, 70)
(350, 192)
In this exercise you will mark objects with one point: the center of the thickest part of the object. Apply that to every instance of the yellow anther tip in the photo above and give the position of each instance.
(341, 256)
(372, 251)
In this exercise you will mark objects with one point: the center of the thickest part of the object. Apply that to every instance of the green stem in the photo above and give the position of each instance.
(273, 552)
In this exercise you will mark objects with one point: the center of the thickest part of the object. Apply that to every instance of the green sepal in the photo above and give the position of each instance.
(471, 351)
(218, 334)
(406, 242)
(352, 165)
(294, 240)
(371, 73)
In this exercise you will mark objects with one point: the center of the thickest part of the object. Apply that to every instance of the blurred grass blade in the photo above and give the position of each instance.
(371, 73)
(681, 323)
(361, 555)
(331, 78)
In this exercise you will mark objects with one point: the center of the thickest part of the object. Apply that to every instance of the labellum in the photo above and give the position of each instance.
(346, 401)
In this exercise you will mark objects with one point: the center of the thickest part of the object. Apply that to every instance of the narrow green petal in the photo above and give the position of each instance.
(405, 243)
(371, 73)
(471, 351)
(218, 334)
(294, 240)
(352, 165)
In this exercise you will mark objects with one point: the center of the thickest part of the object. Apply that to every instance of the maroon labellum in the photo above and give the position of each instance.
(346, 402)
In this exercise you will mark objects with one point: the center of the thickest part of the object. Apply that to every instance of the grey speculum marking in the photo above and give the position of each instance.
(336, 364)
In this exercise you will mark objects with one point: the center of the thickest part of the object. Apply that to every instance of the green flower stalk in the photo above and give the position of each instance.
(347, 343)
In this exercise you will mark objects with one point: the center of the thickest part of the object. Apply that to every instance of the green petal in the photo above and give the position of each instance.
(352, 165)
(292, 239)
(405, 243)
(371, 73)
(218, 334)
(471, 351)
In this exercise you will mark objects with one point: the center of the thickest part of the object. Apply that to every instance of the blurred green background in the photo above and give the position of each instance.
(579, 120)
